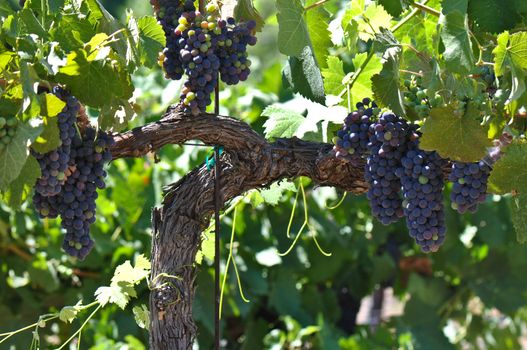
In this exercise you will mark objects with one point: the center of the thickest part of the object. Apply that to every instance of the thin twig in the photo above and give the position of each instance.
(426, 9)
(407, 18)
(316, 4)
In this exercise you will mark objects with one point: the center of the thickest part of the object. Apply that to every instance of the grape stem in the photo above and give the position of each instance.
(41, 319)
(316, 4)
(426, 9)
(409, 17)
(81, 327)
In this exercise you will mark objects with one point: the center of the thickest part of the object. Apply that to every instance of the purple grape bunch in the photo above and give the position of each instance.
(387, 146)
(54, 164)
(469, 185)
(232, 50)
(353, 138)
(77, 200)
(73, 197)
(422, 180)
(202, 47)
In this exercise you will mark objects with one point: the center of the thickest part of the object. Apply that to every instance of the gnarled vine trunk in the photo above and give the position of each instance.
(249, 162)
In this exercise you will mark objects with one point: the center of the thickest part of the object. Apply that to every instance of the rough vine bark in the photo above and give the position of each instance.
(249, 162)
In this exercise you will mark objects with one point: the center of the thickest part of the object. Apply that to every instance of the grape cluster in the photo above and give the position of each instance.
(54, 164)
(422, 182)
(79, 193)
(232, 50)
(75, 203)
(202, 47)
(71, 175)
(470, 179)
(8, 127)
(388, 139)
(354, 136)
(470, 185)
(416, 98)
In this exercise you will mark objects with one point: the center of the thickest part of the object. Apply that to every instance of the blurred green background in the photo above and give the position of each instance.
(469, 295)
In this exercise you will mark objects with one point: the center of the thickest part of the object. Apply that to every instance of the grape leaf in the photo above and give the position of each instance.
(386, 84)
(393, 7)
(374, 18)
(31, 23)
(106, 23)
(317, 24)
(511, 50)
(333, 75)
(460, 138)
(509, 174)
(493, 16)
(72, 33)
(6, 9)
(13, 157)
(303, 75)
(69, 313)
(142, 316)
(113, 294)
(149, 37)
(94, 81)
(293, 35)
(362, 85)
(455, 36)
(281, 122)
(49, 139)
(130, 274)
(245, 11)
(51, 105)
(20, 188)
(519, 218)
(274, 194)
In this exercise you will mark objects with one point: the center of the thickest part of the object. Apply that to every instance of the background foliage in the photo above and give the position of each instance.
(471, 294)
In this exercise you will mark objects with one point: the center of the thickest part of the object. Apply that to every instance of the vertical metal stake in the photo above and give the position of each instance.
(217, 207)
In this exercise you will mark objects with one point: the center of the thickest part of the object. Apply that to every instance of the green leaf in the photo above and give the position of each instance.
(207, 248)
(511, 50)
(51, 105)
(113, 295)
(20, 188)
(142, 262)
(317, 24)
(72, 32)
(245, 11)
(275, 193)
(129, 274)
(374, 18)
(31, 23)
(94, 82)
(493, 16)
(460, 138)
(362, 86)
(333, 75)
(281, 122)
(49, 139)
(509, 174)
(13, 157)
(149, 38)
(142, 316)
(386, 88)
(519, 217)
(393, 7)
(303, 75)
(293, 35)
(69, 313)
(455, 35)
(116, 115)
